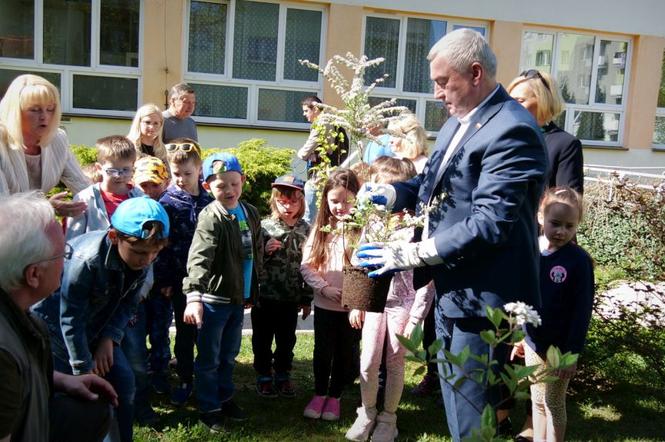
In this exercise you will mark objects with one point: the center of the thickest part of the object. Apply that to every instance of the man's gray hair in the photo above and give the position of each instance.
(463, 47)
(179, 89)
(24, 218)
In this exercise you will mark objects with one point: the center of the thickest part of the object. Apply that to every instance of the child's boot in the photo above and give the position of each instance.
(362, 427)
(386, 427)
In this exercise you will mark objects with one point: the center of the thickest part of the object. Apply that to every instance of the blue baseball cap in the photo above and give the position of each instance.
(131, 216)
(219, 163)
(289, 181)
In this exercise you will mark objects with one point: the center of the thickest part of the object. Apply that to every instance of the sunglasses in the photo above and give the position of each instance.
(69, 250)
(533, 73)
(113, 172)
(184, 147)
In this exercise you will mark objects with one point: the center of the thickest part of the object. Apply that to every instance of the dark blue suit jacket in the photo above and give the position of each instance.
(485, 227)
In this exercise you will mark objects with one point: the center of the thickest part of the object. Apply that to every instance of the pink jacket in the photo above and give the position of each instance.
(330, 276)
(402, 295)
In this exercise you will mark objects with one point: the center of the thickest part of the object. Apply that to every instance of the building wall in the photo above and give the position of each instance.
(163, 64)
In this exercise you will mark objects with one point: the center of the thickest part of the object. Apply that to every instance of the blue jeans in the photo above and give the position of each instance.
(120, 376)
(310, 202)
(218, 345)
(159, 315)
(133, 345)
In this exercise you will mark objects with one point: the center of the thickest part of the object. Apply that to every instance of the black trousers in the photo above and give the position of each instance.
(429, 336)
(334, 340)
(278, 320)
(78, 420)
(185, 338)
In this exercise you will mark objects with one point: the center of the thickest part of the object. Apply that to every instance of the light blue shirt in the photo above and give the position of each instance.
(374, 149)
(247, 249)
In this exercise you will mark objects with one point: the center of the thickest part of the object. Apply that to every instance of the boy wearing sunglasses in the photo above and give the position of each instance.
(101, 285)
(115, 163)
(183, 201)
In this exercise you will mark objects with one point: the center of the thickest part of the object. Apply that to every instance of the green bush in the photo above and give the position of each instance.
(624, 228)
(624, 232)
(261, 164)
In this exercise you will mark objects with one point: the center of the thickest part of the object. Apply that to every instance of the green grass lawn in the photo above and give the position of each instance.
(627, 412)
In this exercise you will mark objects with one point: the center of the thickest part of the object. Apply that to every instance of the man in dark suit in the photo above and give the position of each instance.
(482, 184)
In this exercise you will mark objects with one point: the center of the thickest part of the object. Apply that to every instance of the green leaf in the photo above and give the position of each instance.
(407, 343)
(488, 418)
(489, 336)
(420, 370)
(553, 357)
(417, 335)
(494, 315)
(433, 349)
(517, 336)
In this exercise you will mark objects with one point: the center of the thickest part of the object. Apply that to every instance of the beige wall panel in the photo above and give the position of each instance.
(344, 35)
(643, 91)
(163, 48)
(506, 41)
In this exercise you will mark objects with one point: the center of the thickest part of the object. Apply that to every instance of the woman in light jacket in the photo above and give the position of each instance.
(34, 152)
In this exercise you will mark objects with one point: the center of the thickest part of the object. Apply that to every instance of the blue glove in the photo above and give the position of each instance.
(379, 194)
(389, 257)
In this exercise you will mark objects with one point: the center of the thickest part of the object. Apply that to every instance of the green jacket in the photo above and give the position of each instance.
(214, 263)
(26, 369)
(281, 279)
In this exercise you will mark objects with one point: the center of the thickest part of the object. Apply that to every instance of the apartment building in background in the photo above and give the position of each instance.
(108, 57)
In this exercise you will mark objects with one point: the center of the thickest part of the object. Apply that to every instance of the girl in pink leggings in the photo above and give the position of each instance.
(405, 307)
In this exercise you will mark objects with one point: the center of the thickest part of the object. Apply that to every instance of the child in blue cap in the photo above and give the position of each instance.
(101, 285)
(222, 278)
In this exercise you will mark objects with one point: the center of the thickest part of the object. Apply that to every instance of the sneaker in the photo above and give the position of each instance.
(427, 386)
(231, 410)
(286, 388)
(214, 421)
(181, 393)
(265, 388)
(314, 409)
(362, 427)
(160, 383)
(386, 427)
(331, 409)
(145, 416)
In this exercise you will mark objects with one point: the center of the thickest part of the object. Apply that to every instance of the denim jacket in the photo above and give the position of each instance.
(91, 303)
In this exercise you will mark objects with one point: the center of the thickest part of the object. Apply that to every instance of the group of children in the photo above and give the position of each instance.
(214, 256)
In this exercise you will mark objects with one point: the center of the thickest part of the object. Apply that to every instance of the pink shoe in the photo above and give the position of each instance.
(331, 409)
(315, 407)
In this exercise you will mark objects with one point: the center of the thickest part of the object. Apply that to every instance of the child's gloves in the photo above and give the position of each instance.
(396, 256)
(379, 194)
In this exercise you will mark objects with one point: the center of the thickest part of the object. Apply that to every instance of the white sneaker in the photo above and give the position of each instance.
(362, 427)
(386, 427)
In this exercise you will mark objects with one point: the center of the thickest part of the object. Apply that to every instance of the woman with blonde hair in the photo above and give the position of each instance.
(409, 140)
(146, 132)
(34, 151)
(538, 93)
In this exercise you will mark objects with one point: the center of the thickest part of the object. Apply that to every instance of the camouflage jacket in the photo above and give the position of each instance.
(281, 278)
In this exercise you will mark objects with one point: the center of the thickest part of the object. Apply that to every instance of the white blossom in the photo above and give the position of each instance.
(523, 313)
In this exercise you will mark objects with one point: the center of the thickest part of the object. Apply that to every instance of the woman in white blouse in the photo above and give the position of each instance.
(34, 151)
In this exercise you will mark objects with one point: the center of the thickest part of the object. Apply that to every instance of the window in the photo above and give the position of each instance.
(88, 48)
(404, 43)
(592, 74)
(253, 75)
(659, 128)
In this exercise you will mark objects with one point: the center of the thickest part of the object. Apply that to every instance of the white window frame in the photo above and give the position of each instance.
(95, 69)
(571, 108)
(397, 92)
(660, 113)
(253, 86)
